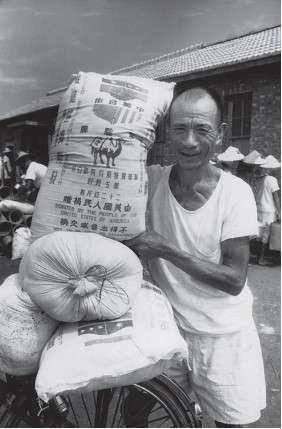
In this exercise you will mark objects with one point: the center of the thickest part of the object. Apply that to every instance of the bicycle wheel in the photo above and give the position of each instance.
(191, 406)
(155, 403)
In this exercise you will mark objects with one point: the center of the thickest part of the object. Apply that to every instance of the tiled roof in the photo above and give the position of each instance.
(189, 60)
(193, 59)
(45, 102)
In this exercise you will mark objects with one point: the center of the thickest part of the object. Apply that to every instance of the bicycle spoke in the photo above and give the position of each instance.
(121, 395)
(164, 419)
(74, 415)
(86, 409)
(95, 401)
(154, 410)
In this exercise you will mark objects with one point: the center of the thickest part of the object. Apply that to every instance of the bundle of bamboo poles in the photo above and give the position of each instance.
(10, 221)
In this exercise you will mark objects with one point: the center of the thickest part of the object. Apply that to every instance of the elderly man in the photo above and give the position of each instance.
(200, 220)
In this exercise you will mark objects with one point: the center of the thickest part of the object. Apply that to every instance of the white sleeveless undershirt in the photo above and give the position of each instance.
(230, 212)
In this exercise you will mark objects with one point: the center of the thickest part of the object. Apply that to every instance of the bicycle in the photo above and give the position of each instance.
(163, 404)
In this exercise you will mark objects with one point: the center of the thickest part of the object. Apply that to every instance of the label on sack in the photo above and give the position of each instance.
(95, 355)
(97, 179)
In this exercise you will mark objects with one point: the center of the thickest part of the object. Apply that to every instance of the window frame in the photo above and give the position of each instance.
(245, 100)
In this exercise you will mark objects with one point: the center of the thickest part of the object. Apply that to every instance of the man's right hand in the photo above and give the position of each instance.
(149, 242)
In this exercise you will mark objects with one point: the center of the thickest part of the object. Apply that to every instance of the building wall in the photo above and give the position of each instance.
(30, 138)
(264, 83)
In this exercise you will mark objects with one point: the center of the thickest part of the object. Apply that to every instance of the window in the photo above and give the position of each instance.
(237, 112)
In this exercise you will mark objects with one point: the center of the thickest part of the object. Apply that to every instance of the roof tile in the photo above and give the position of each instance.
(241, 49)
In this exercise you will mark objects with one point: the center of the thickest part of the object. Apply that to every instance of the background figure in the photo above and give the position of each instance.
(247, 167)
(246, 172)
(268, 206)
(229, 159)
(33, 172)
(5, 167)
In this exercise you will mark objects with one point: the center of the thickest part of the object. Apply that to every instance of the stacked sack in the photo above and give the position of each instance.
(97, 355)
(116, 330)
(63, 276)
(96, 179)
(24, 329)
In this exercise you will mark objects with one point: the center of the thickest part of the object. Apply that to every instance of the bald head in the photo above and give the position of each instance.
(204, 99)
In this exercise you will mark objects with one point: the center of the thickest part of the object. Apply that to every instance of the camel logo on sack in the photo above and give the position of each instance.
(107, 147)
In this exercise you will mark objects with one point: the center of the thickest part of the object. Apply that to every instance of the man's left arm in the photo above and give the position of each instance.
(229, 276)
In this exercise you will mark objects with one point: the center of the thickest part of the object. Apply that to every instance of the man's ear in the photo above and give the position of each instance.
(222, 132)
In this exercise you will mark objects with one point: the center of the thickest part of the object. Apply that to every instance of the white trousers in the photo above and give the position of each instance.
(227, 375)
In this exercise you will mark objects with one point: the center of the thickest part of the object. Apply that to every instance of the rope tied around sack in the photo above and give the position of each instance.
(82, 286)
(96, 281)
(90, 282)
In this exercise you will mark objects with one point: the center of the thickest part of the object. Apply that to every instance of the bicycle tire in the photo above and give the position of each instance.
(106, 408)
(177, 400)
(190, 405)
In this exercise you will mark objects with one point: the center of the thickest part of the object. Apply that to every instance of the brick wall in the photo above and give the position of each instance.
(264, 83)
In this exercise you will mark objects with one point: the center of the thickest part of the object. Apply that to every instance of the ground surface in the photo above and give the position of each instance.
(265, 285)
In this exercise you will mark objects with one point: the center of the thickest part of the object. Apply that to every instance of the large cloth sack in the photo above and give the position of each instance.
(96, 179)
(78, 276)
(88, 356)
(24, 329)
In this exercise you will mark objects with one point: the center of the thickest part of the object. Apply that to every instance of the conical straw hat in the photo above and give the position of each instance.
(21, 154)
(271, 162)
(253, 157)
(230, 154)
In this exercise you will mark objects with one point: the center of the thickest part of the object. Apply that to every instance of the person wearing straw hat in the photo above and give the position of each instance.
(229, 159)
(246, 167)
(268, 202)
(22, 161)
(34, 173)
(199, 223)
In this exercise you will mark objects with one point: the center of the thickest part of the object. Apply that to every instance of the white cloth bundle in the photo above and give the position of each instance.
(24, 329)
(78, 276)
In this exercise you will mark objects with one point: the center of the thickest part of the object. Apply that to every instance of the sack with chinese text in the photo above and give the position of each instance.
(78, 276)
(96, 179)
(134, 348)
(24, 329)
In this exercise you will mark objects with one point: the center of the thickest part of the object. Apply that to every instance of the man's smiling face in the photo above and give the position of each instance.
(194, 128)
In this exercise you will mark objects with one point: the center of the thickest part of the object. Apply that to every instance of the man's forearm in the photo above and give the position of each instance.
(218, 276)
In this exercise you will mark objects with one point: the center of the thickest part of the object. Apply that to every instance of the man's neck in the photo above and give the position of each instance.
(188, 179)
